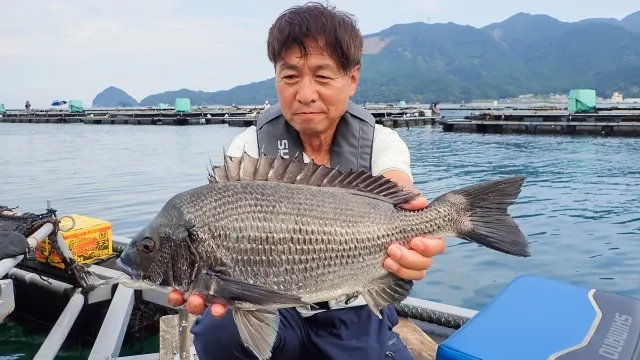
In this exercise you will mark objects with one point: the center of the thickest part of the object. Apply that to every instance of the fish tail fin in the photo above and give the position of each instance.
(485, 219)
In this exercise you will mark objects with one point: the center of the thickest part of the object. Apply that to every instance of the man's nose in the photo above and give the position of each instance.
(307, 91)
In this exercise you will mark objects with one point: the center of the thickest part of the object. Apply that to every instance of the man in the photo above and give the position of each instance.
(316, 52)
(434, 108)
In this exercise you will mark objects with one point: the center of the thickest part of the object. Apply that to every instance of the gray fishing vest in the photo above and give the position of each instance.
(352, 142)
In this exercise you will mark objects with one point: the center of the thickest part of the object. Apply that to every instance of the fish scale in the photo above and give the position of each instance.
(271, 233)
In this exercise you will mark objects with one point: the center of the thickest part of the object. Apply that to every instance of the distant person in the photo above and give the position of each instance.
(434, 108)
(266, 105)
(27, 107)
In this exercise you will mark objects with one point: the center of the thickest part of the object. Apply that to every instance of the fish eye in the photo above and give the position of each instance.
(147, 245)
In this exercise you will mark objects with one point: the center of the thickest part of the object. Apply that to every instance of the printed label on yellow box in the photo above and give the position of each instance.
(89, 239)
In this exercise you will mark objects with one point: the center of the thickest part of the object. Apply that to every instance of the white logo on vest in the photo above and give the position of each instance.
(283, 146)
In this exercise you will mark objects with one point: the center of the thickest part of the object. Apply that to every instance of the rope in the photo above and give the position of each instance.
(28, 223)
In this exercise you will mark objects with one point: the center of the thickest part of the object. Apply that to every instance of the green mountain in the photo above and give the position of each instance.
(449, 62)
(559, 56)
(632, 22)
(114, 97)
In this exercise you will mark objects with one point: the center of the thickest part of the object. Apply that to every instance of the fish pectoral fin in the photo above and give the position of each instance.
(237, 290)
(258, 330)
(389, 289)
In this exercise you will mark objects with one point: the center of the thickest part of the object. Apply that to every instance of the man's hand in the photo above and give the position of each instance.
(195, 304)
(413, 263)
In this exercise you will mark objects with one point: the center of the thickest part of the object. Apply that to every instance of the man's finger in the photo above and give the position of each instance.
(195, 305)
(403, 272)
(407, 259)
(175, 298)
(415, 204)
(218, 310)
(428, 247)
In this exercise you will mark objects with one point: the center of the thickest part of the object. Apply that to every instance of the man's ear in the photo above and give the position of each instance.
(354, 78)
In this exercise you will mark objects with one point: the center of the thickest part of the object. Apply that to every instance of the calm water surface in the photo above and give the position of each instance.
(578, 207)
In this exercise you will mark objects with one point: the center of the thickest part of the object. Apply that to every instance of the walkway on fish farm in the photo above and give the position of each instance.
(234, 117)
(606, 123)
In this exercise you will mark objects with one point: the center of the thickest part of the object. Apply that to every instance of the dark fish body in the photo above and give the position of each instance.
(270, 233)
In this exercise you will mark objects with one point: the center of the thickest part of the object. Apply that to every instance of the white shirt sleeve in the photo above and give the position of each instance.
(389, 152)
(245, 141)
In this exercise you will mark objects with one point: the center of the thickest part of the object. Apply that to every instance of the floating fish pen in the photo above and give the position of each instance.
(406, 122)
(126, 117)
(606, 123)
(503, 107)
(392, 122)
(70, 262)
(534, 107)
(234, 117)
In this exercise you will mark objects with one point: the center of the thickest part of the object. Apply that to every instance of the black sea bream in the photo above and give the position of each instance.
(271, 233)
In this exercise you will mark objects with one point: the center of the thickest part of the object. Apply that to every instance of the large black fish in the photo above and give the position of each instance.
(270, 233)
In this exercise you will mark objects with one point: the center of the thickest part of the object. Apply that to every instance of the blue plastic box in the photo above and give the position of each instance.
(535, 318)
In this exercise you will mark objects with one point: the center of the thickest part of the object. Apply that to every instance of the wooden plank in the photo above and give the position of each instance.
(420, 345)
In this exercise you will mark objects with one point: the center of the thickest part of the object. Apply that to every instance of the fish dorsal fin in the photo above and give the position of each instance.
(280, 169)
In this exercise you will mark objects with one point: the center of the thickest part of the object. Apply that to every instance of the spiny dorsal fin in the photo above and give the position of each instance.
(280, 169)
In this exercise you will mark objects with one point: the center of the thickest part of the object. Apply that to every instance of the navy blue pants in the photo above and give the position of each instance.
(350, 333)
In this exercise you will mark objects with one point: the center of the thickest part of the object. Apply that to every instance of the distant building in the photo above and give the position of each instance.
(617, 97)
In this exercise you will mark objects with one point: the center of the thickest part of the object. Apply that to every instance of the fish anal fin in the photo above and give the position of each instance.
(387, 290)
(258, 330)
(295, 171)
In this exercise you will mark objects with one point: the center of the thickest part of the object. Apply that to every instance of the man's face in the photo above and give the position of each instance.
(313, 92)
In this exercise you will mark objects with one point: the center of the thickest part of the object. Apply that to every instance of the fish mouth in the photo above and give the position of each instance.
(132, 278)
(127, 270)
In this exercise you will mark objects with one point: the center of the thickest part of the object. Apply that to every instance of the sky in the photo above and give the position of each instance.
(56, 49)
